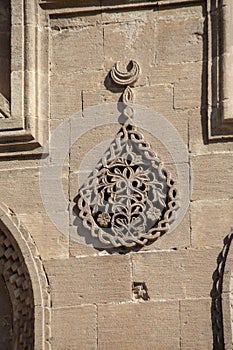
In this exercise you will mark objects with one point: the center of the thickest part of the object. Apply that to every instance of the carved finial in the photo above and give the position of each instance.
(127, 96)
(127, 79)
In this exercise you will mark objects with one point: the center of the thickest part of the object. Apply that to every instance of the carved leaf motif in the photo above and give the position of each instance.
(129, 199)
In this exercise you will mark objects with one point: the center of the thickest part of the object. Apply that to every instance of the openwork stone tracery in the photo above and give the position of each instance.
(130, 199)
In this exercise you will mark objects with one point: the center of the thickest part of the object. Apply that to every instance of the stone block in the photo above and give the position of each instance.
(72, 21)
(65, 102)
(51, 243)
(196, 324)
(145, 325)
(23, 195)
(173, 73)
(85, 45)
(114, 17)
(176, 273)
(90, 147)
(70, 100)
(15, 164)
(179, 37)
(86, 280)
(212, 176)
(157, 97)
(211, 222)
(99, 97)
(160, 98)
(74, 328)
(188, 91)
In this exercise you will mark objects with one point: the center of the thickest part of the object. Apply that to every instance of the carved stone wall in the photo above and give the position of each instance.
(115, 237)
(24, 83)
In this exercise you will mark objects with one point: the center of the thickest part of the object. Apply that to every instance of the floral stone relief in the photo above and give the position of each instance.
(129, 199)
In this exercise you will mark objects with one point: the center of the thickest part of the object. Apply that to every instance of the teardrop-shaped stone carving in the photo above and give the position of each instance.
(129, 199)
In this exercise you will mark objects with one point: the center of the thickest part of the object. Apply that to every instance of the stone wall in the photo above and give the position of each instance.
(164, 295)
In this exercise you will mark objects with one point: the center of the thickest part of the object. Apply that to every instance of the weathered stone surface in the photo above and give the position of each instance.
(176, 274)
(173, 73)
(27, 183)
(143, 325)
(67, 72)
(49, 240)
(99, 97)
(130, 37)
(89, 149)
(86, 280)
(211, 222)
(188, 92)
(76, 84)
(85, 48)
(188, 28)
(160, 99)
(74, 328)
(212, 176)
(196, 320)
(61, 107)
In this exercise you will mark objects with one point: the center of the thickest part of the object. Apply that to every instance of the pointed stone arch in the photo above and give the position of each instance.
(222, 297)
(227, 295)
(24, 276)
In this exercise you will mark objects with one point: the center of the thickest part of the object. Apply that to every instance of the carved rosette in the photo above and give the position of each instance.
(130, 199)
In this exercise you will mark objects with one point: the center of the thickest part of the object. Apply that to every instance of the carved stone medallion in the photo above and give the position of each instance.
(129, 199)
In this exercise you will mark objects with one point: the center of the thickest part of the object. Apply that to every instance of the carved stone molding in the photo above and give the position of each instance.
(220, 89)
(23, 129)
(97, 5)
(25, 279)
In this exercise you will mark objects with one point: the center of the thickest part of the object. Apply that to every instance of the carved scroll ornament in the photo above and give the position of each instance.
(130, 199)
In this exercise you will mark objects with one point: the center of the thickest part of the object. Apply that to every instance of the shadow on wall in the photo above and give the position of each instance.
(220, 294)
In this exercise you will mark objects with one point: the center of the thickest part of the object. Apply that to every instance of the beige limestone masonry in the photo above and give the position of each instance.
(61, 56)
